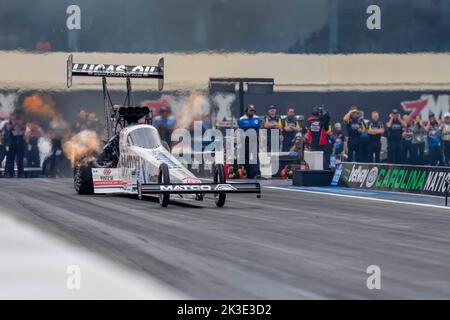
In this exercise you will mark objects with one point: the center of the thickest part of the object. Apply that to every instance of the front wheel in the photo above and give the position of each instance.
(163, 178)
(139, 190)
(219, 177)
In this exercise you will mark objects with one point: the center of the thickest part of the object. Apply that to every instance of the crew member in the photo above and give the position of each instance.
(165, 123)
(434, 140)
(247, 123)
(394, 127)
(58, 130)
(407, 138)
(418, 142)
(291, 126)
(318, 131)
(32, 134)
(16, 147)
(376, 131)
(273, 124)
(318, 126)
(81, 122)
(3, 139)
(446, 138)
(338, 141)
(354, 128)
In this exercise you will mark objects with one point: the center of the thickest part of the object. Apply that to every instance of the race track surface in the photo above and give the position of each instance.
(288, 244)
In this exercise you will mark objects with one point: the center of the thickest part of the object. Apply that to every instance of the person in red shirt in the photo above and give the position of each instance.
(318, 126)
(318, 131)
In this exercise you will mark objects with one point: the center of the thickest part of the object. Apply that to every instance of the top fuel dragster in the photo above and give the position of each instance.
(134, 160)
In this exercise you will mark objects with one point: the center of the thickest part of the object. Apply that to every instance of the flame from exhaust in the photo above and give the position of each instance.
(82, 147)
(39, 105)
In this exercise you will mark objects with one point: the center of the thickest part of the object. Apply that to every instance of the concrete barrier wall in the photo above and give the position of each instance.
(367, 72)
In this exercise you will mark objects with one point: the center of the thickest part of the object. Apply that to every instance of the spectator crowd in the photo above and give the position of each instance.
(399, 140)
(20, 145)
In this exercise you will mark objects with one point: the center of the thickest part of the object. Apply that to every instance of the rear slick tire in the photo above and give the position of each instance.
(82, 179)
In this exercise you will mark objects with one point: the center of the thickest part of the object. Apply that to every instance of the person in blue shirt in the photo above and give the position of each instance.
(165, 123)
(250, 121)
(338, 141)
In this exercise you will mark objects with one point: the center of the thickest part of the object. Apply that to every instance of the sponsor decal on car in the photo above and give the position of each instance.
(164, 158)
(193, 187)
(115, 70)
(108, 183)
(224, 187)
(192, 180)
(197, 187)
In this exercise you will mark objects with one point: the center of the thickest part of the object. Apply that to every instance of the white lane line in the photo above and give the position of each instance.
(361, 197)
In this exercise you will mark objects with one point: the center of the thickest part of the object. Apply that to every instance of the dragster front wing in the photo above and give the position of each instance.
(202, 188)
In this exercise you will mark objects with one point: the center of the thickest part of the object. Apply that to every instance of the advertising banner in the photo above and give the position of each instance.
(399, 178)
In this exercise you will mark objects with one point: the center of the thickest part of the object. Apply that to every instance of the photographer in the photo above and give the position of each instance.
(395, 127)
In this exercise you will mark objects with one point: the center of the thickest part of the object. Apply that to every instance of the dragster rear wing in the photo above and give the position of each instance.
(116, 71)
(202, 188)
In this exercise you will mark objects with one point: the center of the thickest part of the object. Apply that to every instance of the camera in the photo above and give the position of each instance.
(320, 111)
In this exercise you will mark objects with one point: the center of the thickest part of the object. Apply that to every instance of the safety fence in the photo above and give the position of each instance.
(398, 178)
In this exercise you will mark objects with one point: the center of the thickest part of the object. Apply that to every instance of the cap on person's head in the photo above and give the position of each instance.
(316, 110)
(353, 108)
(431, 114)
(394, 111)
(337, 125)
(271, 107)
(251, 107)
(164, 109)
(447, 115)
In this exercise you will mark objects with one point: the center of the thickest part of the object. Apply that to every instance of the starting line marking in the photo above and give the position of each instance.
(361, 197)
